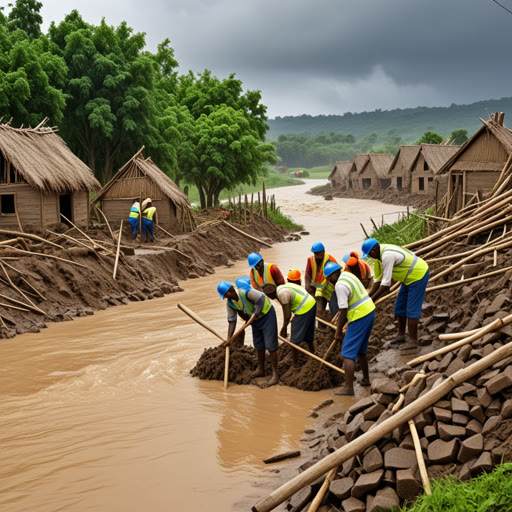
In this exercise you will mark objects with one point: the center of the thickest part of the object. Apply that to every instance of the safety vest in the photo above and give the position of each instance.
(302, 302)
(149, 212)
(266, 278)
(412, 269)
(359, 304)
(244, 304)
(135, 210)
(317, 275)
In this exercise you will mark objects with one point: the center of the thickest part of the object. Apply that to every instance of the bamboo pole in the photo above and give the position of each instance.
(502, 175)
(28, 235)
(245, 234)
(48, 256)
(419, 457)
(118, 249)
(24, 280)
(284, 340)
(198, 320)
(166, 232)
(328, 351)
(457, 335)
(226, 367)
(10, 306)
(94, 243)
(16, 212)
(317, 501)
(378, 432)
(332, 326)
(493, 326)
(106, 221)
(6, 297)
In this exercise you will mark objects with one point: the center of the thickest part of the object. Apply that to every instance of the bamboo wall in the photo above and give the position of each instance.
(485, 148)
(80, 205)
(134, 184)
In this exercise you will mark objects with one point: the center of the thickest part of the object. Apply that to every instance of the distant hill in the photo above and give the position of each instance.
(409, 123)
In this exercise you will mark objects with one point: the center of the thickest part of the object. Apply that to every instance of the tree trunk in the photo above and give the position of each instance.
(202, 198)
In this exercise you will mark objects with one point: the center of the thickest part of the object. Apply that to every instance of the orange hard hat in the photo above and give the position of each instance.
(293, 274)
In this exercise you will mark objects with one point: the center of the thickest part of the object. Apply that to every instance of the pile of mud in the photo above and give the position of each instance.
(389, 196)
(311, 375)
(145, 271)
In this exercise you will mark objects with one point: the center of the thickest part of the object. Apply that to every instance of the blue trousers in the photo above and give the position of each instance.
(134, 225)
(147, 225)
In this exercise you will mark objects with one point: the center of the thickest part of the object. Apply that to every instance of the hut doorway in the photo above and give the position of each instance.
(65, 208)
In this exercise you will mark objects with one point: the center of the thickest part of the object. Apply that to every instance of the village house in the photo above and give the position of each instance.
(400, 169)
(42, 182)
(474, 169)
(138, 179)
(358, 162)
(374, 172)
(340, 174)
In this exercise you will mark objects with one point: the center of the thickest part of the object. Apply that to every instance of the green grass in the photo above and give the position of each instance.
(403, 232)
(284, 220)
(272, 180)
(317, 173)
(491, 492)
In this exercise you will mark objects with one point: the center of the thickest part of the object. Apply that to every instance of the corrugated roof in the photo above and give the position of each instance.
(44, 160)
(437, 155)
(404, 158)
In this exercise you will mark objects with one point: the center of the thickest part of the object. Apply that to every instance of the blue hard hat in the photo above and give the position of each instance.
(330, 267)
(345, 258)
(254, 258)
(318, 247)
(243, 282)
(223, 287)
(367, 246)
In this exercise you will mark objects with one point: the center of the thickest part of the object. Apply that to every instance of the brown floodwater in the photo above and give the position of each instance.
(101, 414)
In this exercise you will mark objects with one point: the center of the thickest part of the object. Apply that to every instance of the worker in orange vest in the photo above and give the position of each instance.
(315, 282)
(263, 273)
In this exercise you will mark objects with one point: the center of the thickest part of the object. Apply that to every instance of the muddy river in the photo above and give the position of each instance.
(100, 414)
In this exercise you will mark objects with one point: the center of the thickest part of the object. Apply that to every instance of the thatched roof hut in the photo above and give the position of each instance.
(374, 172)
(41, 180)
(358, 162)
(475, 168)
(400, 169)
(339, 174)
(138, 179)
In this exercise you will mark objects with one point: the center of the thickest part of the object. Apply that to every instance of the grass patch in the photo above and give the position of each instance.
(491, 492)
(402, 232)
(284, 220)
(317, 173)
(272, 180)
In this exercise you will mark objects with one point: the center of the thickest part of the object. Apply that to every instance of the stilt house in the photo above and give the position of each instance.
(138, 179)
(41, 180)
(400, 170)
(375, 171)
(426, 165)
(339, 175)
(475, 168)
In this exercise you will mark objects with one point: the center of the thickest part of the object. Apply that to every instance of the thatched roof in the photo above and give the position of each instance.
(436, 155)
(147, 167)
(340, 171)
(494, 128)
(404, 158)
(380, 162)
(44, 160)
(359, 161)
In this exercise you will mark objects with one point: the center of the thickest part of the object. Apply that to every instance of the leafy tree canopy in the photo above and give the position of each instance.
(430, 137)
(458, 137)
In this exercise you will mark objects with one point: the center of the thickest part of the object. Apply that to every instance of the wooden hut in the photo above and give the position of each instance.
(475, 168)
(400, 169)
(429, 160)
(41, 180)
(339, 174)
(138, 179)
(358, 162)
(375, 171)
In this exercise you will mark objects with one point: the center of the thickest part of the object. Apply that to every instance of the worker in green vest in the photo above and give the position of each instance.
(148, 214)
(264, 328)
(134, 219)
(357, 308)
(402, 265)
(295, 299)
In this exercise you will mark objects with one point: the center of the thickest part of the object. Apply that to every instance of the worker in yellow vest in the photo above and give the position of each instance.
(263, 273)
(357, 308)
(148, 214)
(134, 219)
(295, 299)
(264, 328)
(315, 281)
(402, 265)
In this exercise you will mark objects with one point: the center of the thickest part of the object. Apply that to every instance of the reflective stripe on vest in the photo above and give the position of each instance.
(244, 304)
(134, 211)
(149, 212)
(359, 304)
(411, 269)
(302, 301)
(267, 276)
(317, 275)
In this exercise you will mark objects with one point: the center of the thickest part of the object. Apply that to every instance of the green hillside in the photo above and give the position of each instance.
(409, 123)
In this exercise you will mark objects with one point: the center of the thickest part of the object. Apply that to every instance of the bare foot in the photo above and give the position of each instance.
(260, 372)
(397, 339)
(409, 348)
(365, 382)
(344, 391)
(272, 382)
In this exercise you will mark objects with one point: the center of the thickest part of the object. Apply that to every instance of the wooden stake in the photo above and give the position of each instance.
(28, 235)
(48, 256)
(198, 319)
(166, 232)
(419, 457)
(317, 501)
(378, 432)
(118, 249)
(245, 234)
(226, 367)
(107, 223)
(332, 326)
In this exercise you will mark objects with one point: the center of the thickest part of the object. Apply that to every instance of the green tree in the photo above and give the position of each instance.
(25, 16)
(458, 137)
(430, 137)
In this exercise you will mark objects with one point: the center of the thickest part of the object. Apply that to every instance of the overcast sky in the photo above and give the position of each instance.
(329, 56)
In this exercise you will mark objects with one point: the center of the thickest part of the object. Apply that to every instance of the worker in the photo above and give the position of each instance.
(263, 273)
(148, 213)
(295, 299)
(133, 219)
(264, 328)
(294, 276)
(245, 283)
(315, 281)
(402, 265)
(364, 275)
(357, 308)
